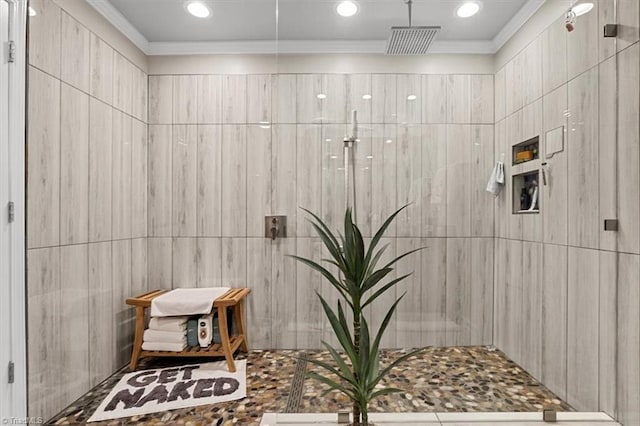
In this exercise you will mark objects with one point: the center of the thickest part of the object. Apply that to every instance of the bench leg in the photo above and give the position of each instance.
(137, 342)
(224, 337)
(239, 319)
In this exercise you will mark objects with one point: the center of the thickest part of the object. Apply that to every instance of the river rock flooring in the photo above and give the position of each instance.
(453, 379)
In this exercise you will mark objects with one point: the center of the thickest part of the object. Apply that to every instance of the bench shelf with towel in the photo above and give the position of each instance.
(233, 299)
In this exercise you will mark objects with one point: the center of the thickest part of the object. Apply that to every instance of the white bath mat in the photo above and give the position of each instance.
(151, 391)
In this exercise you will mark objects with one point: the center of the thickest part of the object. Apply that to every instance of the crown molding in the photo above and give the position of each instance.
(477, 47)
(122, 24)
(518, 20)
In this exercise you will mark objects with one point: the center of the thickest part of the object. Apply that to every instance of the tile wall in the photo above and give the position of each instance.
(567, 299)
(226, 150)
(86, 207)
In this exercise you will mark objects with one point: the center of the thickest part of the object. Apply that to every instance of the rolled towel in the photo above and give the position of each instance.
(162, 346)
(168, 323)
(164, 336)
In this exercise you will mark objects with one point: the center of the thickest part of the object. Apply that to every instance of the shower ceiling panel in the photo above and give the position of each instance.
(235, 21)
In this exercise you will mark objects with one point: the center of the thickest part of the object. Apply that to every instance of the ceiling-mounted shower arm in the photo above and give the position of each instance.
(409, 4)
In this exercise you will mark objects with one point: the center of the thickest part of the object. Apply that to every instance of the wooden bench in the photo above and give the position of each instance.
(234, 299)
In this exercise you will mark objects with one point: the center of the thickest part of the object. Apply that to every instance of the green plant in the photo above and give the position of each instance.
(359, 285)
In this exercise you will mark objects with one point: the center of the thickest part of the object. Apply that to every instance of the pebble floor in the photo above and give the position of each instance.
(454, 379)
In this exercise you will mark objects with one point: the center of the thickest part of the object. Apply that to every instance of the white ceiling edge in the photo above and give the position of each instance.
(486, 47)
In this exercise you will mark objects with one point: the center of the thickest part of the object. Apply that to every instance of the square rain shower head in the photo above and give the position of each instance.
(410, 40)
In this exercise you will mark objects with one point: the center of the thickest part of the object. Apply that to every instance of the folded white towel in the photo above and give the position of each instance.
(163, 336)
(496, 181)
(169, 323)
(186, 301)
(161, 346)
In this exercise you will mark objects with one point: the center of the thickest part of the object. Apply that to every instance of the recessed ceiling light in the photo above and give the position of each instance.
(321, 96)
(366, 97)
(412, 97)
(347, 8)
(582, 8)
(198, 9)
(32, 11)
(468, 9)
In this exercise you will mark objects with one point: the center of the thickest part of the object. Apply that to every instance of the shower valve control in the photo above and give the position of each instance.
(275, 227)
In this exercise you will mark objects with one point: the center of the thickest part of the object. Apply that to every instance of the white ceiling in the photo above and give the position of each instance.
(309, 26)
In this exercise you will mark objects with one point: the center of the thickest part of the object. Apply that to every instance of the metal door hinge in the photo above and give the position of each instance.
(12, 212)
(12, 52)
(11, 371)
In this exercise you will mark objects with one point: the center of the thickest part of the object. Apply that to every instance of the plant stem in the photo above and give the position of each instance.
(356, 344)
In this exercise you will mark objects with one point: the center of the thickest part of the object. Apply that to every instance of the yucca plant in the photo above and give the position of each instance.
(359, 284)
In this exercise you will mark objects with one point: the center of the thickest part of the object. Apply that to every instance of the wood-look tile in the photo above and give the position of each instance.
(383, 176)
(333, 191)
(184, 180)
(259, 92)
(433, 258)
(628, 182)
(160, 180)
(459, 99)
(101, 363)
(284, 173)
(514, 339)
(209, 262)
(100, 170)
(185, 93)
(234, 181)
(459, 180)
(359, 96)
(308, 175)
(209, 99)
(383, 106)
(161, 99)
(140, 95)
(554, 319)
(74, 322)
(500, 94)
(582, 45)
(409, 102)
(45, 36)
(185, 262)
(101, 63)
(608, 122)
(458, 311)
(123, 318)
(139, 179)
(532, 270)
(122, 83)
(234, 262)
(532, 71)
(628, 384)
(209, 195)
(43, 162)
(75, 41)
(160, 263)
(434, 99)
(482, 160)
(434, 180)
(514, 136)
(309, 106)
(409, 179)
(379, 308)
(501, 258)
(43, 328)
(482, 99)
(606, 15)
(74, 166)
(234, 99)
(283, 93)
(502, 208)
(513, 85)
(259, 175)
(532, 118)
(121, 199)
(363, 175)
(607, 317)
(309, 314)
(409, 312)
(628, 14)
(334, 106)
(481, 284)
(554, 56)
(583, 229)
(139, 266)
(555, 194)
(259, 281)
